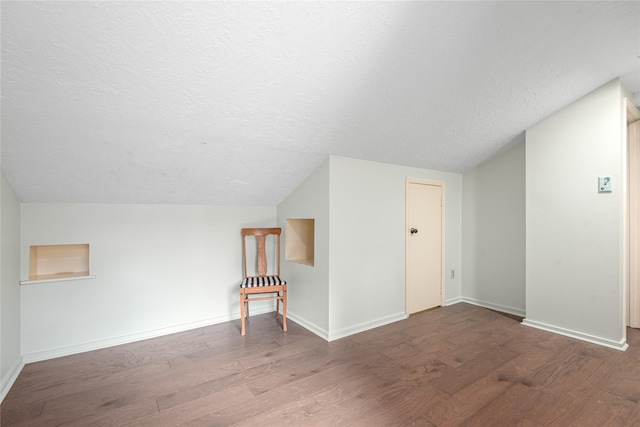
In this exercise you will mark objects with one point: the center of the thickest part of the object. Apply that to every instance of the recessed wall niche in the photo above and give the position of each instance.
(50, 263)
(299, 240)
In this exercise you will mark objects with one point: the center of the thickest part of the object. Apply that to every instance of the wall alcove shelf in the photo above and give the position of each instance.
(55, 263)
(299, 240)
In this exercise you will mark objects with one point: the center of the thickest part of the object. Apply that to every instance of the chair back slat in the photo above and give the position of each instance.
(261, 238)
(262, 255)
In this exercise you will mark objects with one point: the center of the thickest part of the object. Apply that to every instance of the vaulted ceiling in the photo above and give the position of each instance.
(235, 103)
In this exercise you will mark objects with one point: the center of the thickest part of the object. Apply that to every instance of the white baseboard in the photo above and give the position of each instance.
(496, 307)
(617, 345)
(308, 325)
(322, 333)
(126, 339)
(345, 332)
(452, 301)
(11, 377)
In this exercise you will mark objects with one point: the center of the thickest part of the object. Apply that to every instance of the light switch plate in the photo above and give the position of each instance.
(604, 184)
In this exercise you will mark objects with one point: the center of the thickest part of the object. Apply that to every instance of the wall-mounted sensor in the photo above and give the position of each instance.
(604, 184)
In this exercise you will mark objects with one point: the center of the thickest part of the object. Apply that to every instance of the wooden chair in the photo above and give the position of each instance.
(263, 283)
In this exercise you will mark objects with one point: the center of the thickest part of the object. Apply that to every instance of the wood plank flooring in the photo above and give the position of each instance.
(450, 366)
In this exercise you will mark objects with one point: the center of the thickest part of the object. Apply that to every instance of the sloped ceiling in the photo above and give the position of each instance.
(235, 103)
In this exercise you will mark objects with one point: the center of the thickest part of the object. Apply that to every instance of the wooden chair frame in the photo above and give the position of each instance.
(280, 290)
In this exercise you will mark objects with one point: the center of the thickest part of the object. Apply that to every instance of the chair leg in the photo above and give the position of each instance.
(242, 311)
(277, 305)
(284, 309)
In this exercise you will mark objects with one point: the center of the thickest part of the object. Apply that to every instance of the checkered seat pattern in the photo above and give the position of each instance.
(254, 282)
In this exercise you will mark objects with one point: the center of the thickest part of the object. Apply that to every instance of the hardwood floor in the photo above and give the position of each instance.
(450, 366)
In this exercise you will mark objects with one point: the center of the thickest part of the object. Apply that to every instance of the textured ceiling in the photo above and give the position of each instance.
(235, 103)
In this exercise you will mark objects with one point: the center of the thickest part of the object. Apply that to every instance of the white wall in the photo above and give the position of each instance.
(574, 234)
(493, 232)
(308, 286)
(159, 269)
(10, 356)
(367, 242)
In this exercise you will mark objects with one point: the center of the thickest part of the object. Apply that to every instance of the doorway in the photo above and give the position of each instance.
(424, 245)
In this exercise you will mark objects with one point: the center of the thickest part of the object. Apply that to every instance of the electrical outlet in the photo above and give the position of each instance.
(604, 184)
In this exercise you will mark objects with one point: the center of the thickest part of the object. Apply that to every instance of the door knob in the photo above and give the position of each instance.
(413, 230)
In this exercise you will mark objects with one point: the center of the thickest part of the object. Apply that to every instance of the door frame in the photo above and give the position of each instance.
(436, 183)
(631, 210)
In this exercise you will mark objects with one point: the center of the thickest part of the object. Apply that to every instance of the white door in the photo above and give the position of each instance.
(424, 236)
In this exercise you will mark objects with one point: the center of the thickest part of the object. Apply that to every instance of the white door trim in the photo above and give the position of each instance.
(440, 184)
(631, 218)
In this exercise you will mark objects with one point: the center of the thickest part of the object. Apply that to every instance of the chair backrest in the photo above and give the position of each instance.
(261, 237)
